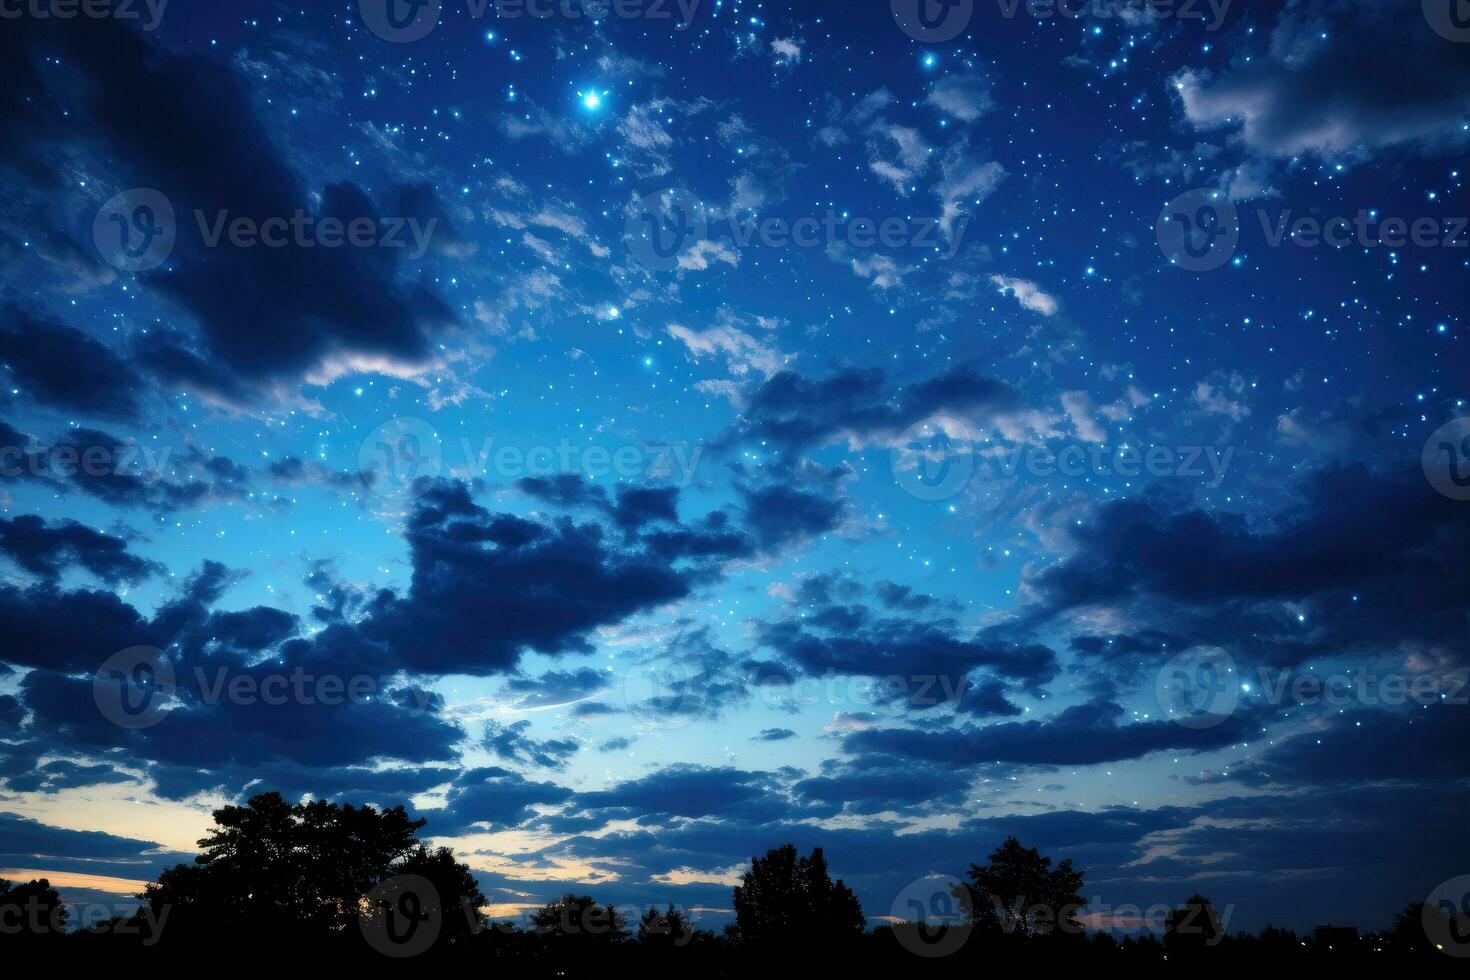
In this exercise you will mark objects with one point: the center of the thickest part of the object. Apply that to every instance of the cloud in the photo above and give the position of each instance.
(1084, 734)
(743, 353)
(62, 368)
(965, 182)
(264, 315)
(1295, 98)
(1028, 294)
(47, 550)
(794, 412)
(965, 97)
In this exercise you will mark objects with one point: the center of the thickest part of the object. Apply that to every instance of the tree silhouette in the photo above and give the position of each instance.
(1192, 928)
(579, 919)
(783, 898)
(33, 909)
(664, 929)
(1018, 892)
(303, 870)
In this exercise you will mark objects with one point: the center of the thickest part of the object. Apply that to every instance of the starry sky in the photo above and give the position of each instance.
(841, 423)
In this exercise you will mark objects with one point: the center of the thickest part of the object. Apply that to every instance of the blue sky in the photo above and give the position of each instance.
(877, 508)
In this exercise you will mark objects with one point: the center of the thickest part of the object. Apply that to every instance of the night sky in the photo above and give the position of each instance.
(708, 425)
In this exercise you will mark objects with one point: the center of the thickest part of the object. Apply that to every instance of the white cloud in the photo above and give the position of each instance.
(1028, 294)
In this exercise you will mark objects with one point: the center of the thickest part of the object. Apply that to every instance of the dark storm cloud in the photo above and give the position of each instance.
(1420, 745)
(874, 784)
(1084, 734)
(264, 313)
(1372, 561)
(850, 640)
(513, 743)
(793, 412)
(69, 631)
(1299, 99)
(779, 514)
(29, 843)
(556, 687)
(494, 796)
(632, 507)
(46, 550)
(62, 368)
(691, 791)
(60, 774)
(468, 607)
(987, 700)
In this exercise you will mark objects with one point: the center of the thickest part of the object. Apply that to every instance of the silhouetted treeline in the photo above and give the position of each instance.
(281, 882)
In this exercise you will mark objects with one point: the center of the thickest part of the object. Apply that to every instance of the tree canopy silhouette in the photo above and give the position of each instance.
(304, 868)
(32, 909)
(783, 898)
(1018, 892)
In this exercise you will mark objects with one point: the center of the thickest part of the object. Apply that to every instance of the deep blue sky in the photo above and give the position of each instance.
(685, 553)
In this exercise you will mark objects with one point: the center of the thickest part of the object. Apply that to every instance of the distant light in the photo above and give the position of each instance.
(930, 60)
(591, 100)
